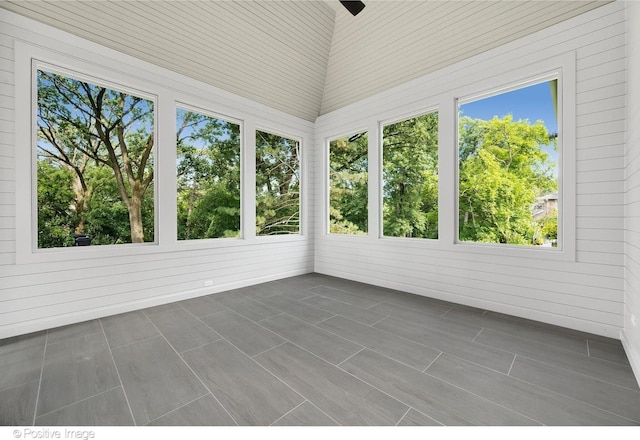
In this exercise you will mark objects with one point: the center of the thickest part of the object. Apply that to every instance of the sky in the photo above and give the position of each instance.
(532, 103)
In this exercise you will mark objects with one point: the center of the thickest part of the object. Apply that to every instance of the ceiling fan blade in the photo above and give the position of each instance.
(355, 7)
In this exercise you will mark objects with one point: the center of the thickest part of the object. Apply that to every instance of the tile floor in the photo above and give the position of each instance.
(315, 350)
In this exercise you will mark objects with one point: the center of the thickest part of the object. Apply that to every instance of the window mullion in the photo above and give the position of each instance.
(166, 170)
(447, 171)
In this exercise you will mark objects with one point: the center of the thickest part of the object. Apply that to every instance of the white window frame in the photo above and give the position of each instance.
(208, 242)
(380, 151)
(563, 69)
(29, 60)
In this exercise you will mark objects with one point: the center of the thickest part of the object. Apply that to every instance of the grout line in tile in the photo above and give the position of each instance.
(113, 359)
(484, 398)
(433, 361)
(349, 357)
(16, 385)
(476, 336)
(66, 339)
(44, 353)
(270, 348)
(577, 400)
(191, 369)
(130, 343)
(264, 319)
(512, 362)
(288, 412)
(201, 345)
(383, 392)
(541, 361)
(341, 369)
(307, 297)
(331, 418)
(321, 321)
(250, 358)
(431, 417)
(378, 322)
(403, 416)
(382, 354)
(176, 409)
(81, 400)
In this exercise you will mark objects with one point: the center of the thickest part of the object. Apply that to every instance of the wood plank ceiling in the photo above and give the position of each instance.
(305, 58)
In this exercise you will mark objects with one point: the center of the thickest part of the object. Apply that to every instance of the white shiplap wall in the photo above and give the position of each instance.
(55, 292)
(631, 334)
(585, 292)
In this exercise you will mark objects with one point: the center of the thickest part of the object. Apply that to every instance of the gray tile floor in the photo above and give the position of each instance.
(315, 350)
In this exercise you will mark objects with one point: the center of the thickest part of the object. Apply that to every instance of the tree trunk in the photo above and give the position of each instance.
(81, 204)
(135, 218)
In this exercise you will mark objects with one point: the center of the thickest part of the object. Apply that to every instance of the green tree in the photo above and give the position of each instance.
(277, 184)
(82, 127)
(208, 173)
(410, 175)
(503, 168)
(348, 176)
(56, 204)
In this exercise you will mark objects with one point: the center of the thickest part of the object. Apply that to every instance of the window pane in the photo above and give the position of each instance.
(277, 185)
(208, 176)
(348, 194)
(410, 175)
(508, 167)
(95, 164)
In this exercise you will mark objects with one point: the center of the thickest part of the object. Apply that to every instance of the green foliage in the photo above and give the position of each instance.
(56, 219)
(348, 175)
(549, 226)
(95, 174)
(410, 175)
(277, 185)
(502, 170)
(208, 173)
(103, 140)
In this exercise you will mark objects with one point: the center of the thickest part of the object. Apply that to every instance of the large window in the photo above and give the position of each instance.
(277, 184)
(208, 176)
(94, 164)
(508, 167)
(348, 193)
(410, 177)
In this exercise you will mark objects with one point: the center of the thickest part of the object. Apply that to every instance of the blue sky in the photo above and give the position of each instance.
(533, 103)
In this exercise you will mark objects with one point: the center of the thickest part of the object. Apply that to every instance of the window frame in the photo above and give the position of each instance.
(563, 69)
(208, 242)
(327, 182)
(301, 193)
(380, 151)
(27, 66)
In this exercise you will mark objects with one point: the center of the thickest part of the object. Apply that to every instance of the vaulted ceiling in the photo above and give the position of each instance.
(305, 58)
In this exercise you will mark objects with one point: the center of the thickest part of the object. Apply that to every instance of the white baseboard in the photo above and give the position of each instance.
(26, 327)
